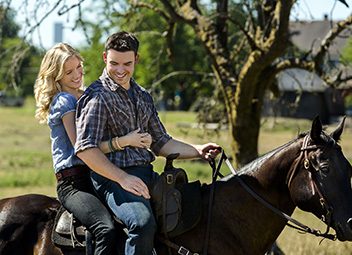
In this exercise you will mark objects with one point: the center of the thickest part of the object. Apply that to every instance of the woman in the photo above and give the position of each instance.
(57, 88)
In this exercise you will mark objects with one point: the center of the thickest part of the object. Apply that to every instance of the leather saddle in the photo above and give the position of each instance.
(175, 201)
(68, 232)
(176, 204)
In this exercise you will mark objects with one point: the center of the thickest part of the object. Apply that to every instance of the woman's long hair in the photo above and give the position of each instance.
(51, 71)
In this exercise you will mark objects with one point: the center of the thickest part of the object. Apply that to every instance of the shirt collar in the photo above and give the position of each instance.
(108, 82)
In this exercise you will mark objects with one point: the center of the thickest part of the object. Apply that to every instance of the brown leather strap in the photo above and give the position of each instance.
(72, 171)
(180, 249)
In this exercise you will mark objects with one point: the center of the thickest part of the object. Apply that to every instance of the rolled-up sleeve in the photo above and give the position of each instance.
(157, 131)
(91, 117)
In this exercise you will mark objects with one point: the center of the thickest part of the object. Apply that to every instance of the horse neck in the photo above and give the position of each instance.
(270, 178)
(267, 177)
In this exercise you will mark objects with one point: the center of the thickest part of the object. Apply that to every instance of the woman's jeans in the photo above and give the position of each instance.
(77, 195)
(134, 211)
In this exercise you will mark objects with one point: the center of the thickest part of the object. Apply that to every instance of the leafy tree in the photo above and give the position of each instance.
(245, 65)
(19, 60)
(246, 44)
(93, 59)
(8, 26)
(171, 68)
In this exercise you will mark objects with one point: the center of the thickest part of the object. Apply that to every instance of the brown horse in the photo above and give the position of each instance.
(310, 172)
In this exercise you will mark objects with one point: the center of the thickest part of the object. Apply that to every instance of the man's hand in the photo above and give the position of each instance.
(134, 185)
(208, 150)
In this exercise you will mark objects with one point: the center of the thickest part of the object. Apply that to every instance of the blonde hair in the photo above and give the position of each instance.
(51, 71)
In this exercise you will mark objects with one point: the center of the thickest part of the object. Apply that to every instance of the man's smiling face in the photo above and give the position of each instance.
(120, 66)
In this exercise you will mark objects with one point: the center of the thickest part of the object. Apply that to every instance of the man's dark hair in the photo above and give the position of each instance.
(122, 41)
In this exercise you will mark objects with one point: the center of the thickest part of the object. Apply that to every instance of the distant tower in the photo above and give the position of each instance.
(58, 32)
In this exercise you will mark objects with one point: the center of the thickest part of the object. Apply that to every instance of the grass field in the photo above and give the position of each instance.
(26, 166)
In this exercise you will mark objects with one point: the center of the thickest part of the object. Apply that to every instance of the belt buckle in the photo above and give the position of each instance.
(59, 176)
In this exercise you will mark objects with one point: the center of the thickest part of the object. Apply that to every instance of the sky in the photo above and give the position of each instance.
(306, 10)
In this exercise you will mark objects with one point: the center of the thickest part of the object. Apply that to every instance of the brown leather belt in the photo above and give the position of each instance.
(72, 171)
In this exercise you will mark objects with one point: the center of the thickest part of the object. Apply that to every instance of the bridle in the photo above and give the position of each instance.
(307, 164)
(313, 169)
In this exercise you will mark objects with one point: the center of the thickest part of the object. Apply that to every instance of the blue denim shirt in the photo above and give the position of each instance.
(61, 147)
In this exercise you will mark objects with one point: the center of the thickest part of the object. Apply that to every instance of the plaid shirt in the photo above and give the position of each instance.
(105, 110)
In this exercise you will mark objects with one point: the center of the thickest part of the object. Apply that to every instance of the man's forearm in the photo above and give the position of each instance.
(99, 163)
(186, 151)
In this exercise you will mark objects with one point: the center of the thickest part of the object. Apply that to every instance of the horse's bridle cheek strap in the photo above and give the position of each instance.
(324, 203)
(313, 169)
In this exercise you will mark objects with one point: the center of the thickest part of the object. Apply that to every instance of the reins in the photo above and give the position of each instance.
(293, 223)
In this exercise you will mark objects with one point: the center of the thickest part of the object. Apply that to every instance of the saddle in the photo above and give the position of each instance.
(68, 232)
(176, 202)
(176, 205)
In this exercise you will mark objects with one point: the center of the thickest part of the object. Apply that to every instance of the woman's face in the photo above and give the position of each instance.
(73, 75)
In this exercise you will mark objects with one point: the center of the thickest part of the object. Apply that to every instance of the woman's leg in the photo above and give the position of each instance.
(78, 197)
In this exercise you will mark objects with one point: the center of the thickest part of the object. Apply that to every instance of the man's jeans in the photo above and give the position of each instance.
(134, 211)
(78, 196)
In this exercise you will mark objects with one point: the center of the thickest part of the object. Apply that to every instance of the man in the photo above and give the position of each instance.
(113, 106)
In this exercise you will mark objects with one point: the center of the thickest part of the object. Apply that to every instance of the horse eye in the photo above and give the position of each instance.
(324, 165)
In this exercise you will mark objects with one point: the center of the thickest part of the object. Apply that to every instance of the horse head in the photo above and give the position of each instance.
(320, 179)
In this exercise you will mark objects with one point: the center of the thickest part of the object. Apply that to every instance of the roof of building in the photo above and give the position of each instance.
(295, 79)
(309, 34)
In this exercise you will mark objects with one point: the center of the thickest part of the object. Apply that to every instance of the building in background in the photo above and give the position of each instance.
(303, 94)
(58, 32)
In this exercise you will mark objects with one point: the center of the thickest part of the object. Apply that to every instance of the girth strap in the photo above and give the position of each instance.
(179, 248)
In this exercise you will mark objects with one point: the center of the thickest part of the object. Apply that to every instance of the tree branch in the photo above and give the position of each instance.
(43, 18)
(175, 73)
(172, 12)
(246, 33)
(65, 9)
(221, 24)
(325, 44)
(292, 63)
(138, 4)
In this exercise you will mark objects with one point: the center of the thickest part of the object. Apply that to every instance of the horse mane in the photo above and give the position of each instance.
(258, 162)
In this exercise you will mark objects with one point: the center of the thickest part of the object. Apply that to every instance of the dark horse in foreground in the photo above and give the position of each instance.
(310, 172)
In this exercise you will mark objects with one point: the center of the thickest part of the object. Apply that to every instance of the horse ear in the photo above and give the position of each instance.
(336, 134)
(316, 129)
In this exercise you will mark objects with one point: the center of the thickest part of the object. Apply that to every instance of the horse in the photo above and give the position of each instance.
(310, 172)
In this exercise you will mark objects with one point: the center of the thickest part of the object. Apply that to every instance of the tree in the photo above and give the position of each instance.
(245, 66)
(246, 43)
(18, 57)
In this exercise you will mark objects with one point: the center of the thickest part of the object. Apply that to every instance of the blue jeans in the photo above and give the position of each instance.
(78, 196)
(134, 211)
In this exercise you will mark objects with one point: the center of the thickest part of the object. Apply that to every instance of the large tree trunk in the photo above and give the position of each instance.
(244, 126)
(243, 89)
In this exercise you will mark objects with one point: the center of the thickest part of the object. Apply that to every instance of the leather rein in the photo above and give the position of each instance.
(291, 222)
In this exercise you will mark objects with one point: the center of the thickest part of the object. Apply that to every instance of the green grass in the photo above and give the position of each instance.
(25, 145)
(26, 165)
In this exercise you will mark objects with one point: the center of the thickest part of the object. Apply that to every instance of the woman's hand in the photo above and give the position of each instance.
(136, 139)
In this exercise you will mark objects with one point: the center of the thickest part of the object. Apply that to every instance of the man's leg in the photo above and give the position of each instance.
(134, 211)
